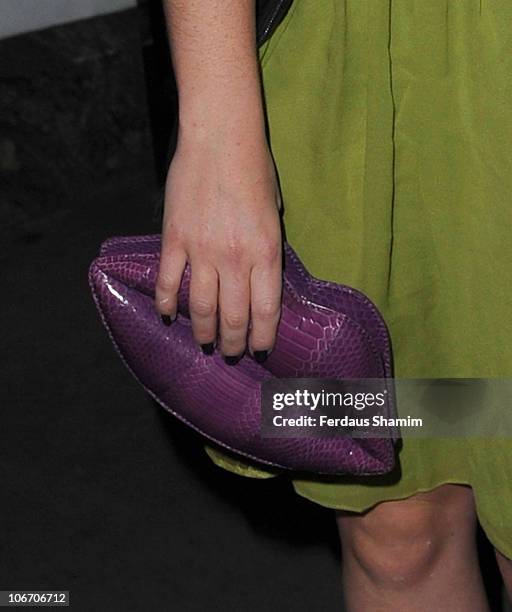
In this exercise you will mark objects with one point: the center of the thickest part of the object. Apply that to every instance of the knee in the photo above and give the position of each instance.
(394, 545)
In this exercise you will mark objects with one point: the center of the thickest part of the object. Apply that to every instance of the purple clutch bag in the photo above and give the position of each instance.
(326, 330)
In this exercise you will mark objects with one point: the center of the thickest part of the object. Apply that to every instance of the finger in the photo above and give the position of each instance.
(234, 300)
(170, 271)
(266, 289)
(203, 305)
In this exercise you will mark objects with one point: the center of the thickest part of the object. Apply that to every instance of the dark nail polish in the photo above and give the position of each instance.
(208, 348)
(260, 356)
(232, 359)
(166, 320)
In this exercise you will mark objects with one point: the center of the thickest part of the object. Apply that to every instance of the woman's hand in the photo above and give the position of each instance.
(222, 215)
(222, 197)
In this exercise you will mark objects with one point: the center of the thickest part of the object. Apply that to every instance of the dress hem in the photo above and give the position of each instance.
(490, 534)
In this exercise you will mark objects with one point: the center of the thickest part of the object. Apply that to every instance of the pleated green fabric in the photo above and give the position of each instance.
(391, 126)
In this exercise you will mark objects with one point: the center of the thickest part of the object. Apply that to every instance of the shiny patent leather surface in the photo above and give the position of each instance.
(326, 330)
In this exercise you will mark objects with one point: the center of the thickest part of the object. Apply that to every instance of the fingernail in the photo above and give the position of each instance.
(208, 348)
(166, 320)
(260, 356)
(232, 359)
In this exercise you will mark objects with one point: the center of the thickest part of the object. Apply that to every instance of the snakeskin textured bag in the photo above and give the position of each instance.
(326, 330)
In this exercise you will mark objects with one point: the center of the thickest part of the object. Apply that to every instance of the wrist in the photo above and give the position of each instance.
(223, 123)
(221, 106)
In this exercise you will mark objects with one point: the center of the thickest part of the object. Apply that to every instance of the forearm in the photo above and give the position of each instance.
(213, 46)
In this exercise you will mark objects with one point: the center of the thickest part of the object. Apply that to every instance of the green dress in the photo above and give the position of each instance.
(391, 125)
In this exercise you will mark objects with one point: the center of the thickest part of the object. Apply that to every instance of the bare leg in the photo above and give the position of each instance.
(505, 565)
(413, 555)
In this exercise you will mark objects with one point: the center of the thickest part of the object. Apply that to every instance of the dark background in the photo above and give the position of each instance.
(102, 492)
